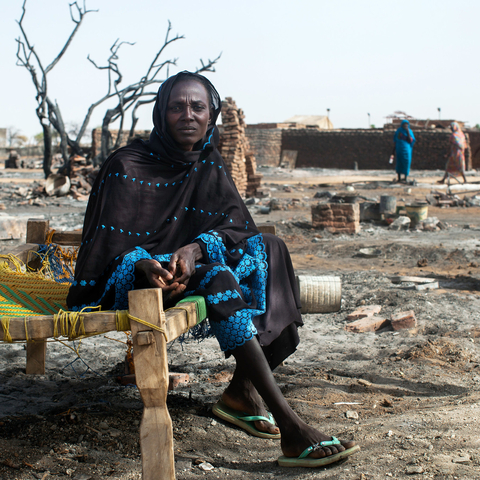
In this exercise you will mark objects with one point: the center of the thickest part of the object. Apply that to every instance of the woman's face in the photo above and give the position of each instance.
(188, 113)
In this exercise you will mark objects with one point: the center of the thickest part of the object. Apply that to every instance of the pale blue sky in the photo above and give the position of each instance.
(280, 58)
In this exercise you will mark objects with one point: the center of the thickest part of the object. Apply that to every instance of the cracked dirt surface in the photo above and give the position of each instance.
(409, 398)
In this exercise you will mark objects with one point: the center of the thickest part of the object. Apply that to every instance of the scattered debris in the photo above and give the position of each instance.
(422, 263)
(427, 286)
(369, 252)
(57, 185)
(351, 414)
(411, 279)
(400, 223)
(206, 467)
(12, 227)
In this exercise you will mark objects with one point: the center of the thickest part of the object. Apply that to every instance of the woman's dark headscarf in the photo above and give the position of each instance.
(162, 142)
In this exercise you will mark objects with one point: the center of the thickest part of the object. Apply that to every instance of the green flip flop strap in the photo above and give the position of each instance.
(328, 443)
(258, 418)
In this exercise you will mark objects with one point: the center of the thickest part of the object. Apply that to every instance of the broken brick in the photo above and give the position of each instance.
(364, 311)
(404, 320)
(367, 324)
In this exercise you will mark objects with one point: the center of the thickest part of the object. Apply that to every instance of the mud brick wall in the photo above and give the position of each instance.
(368, 148)
(474, 137)
(336, 217)
(266, 143)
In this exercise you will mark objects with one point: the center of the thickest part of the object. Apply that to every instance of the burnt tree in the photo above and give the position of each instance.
(132, 96)
(48, 112)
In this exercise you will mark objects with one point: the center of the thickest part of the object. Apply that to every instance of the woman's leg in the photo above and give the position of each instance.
(296, 434)
(242, 396)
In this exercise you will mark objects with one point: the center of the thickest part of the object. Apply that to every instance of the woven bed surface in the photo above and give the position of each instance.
(30, 294)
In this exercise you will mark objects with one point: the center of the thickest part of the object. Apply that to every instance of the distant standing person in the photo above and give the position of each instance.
(404, 141)
(456, 159)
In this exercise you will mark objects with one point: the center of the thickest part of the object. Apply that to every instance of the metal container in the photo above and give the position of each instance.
(416, 213)
(388, 204)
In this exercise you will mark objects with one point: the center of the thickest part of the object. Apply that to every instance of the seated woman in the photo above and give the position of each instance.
(166, 213)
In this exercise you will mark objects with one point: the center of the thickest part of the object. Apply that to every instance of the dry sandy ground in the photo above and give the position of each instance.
(409, 398)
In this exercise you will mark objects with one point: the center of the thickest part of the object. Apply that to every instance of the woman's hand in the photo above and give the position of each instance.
(174, 280)
(157, 276)
(182, 265)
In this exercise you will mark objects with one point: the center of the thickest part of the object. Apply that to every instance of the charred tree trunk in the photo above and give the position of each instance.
(47, 150)
(106, 138)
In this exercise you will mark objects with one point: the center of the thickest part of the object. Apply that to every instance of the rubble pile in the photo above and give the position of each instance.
(441, 199)
(13, 160)
(235, 149)
(82, 176)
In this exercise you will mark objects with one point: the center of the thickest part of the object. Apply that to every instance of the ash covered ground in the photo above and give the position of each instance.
(409, 398)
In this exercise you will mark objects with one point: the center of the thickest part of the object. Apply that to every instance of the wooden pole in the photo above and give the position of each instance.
(151, 370)
(37, 231)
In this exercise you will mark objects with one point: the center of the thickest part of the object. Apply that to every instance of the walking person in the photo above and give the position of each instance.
(456, 158)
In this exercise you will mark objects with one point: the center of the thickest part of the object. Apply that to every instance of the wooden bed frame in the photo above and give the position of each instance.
(150, 347)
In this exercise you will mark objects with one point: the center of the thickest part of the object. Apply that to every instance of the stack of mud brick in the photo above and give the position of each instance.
(235, 149)
(336, 217)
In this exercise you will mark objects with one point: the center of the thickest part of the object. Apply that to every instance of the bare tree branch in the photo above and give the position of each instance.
(132, 96)
(81, 13)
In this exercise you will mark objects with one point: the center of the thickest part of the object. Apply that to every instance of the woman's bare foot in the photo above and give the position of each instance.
(299, 437)
(242, 396)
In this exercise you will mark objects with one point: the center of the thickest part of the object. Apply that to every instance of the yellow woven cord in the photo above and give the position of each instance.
(31, 290)
(49, 238)
(122, 321)
(153, 327)
(15, 261)
(5, 321)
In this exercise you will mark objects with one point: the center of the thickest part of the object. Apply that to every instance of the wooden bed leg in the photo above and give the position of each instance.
(151, 370)
(36, 353)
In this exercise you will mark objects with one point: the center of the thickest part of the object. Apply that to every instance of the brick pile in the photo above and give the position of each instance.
(82, 176)
(336, 217)
(235, 149)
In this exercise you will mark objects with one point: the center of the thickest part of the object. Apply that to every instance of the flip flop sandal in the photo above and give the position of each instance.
(304, 461)
(246, 422)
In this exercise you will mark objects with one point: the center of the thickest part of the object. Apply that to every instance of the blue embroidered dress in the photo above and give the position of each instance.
(150, 199)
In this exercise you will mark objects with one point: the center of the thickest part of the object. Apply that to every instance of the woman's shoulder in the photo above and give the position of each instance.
(128, 154)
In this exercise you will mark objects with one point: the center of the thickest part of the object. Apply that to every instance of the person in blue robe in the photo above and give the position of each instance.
(404, 141)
